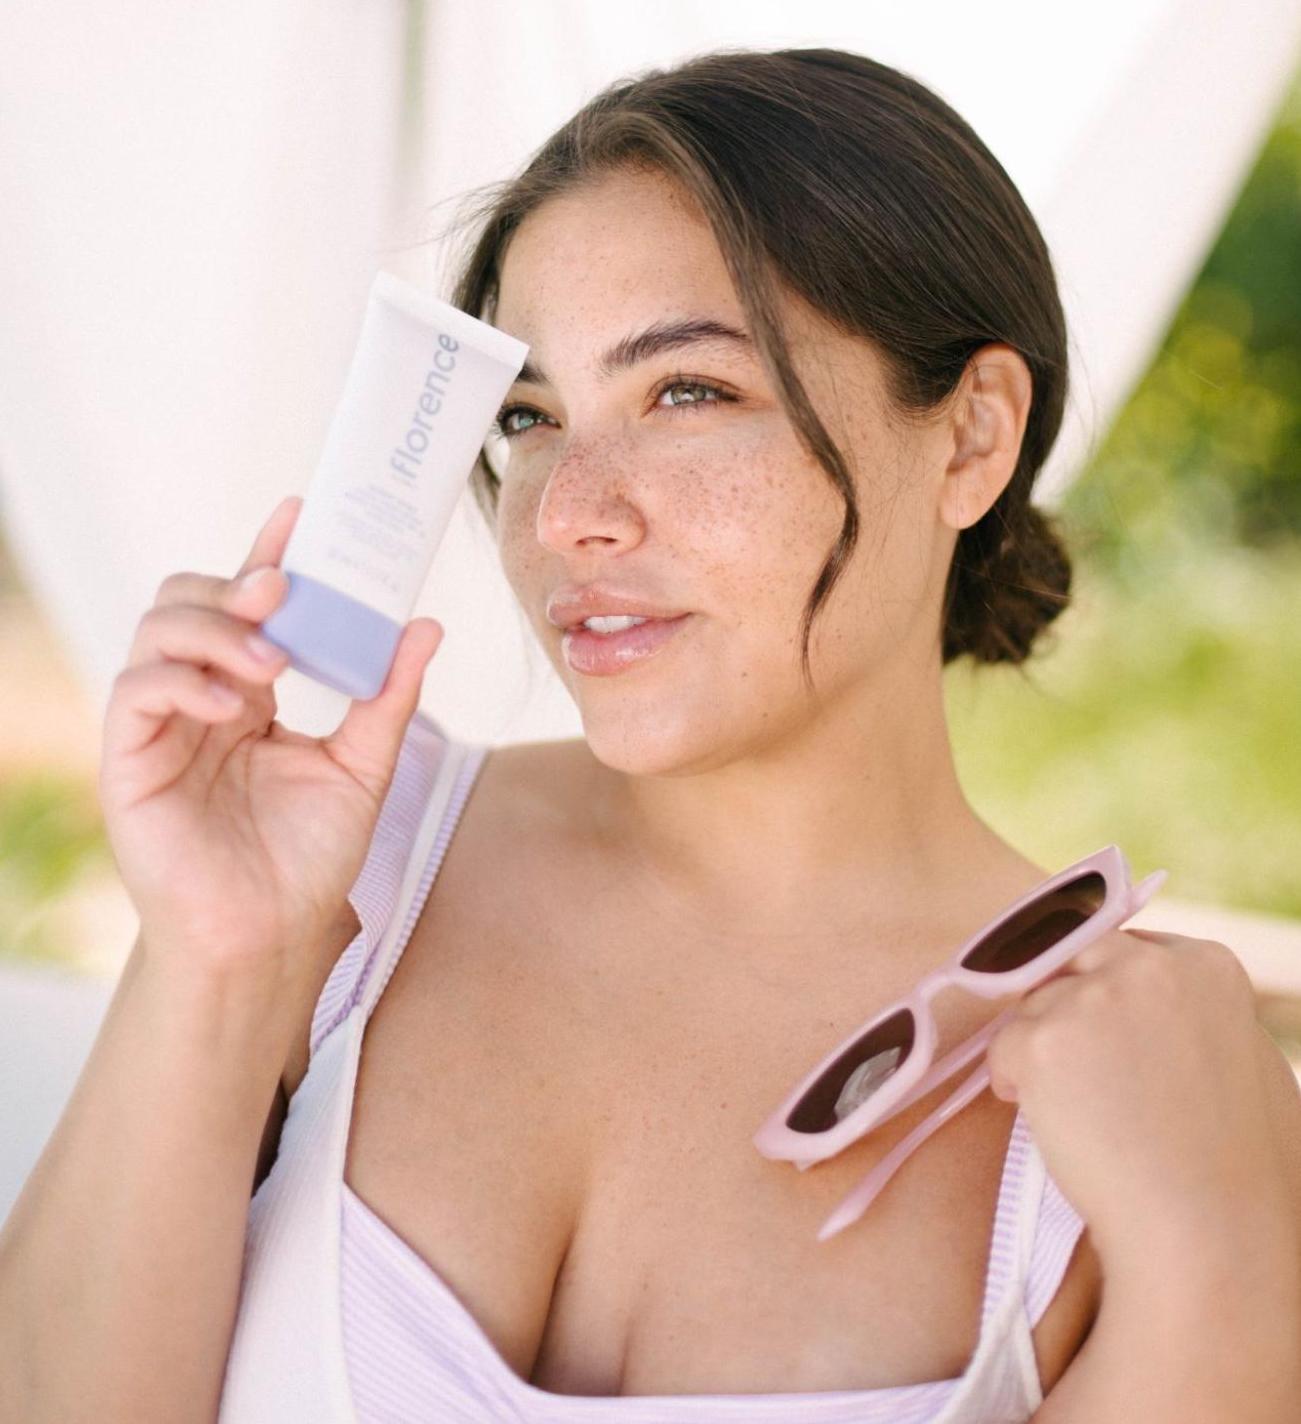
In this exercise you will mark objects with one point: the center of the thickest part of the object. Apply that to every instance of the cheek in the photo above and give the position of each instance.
(754, 515)
(518, 549)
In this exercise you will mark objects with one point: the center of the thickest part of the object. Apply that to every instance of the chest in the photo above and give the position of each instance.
(554, 1109)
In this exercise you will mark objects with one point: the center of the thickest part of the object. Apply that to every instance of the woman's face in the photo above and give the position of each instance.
(680, 479)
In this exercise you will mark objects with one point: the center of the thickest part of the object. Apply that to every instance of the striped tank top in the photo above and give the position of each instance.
(340, 1321)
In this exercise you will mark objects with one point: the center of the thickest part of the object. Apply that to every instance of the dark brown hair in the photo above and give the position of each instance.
(865, 193)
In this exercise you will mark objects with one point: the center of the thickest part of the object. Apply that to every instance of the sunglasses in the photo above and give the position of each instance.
(884, 1067)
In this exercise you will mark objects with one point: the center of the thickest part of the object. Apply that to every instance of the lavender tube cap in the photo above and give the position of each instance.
(332, 638)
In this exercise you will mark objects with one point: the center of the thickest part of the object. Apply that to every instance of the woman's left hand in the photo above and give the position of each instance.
(1146, 1080)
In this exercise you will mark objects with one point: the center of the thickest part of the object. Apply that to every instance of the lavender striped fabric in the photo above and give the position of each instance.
(415, 1353)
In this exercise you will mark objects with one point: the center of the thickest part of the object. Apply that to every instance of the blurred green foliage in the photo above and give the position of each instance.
(1162, 716)
(1208, 448)
(51, 835)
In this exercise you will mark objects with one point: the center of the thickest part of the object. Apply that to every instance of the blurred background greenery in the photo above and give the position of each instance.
(1163, 713)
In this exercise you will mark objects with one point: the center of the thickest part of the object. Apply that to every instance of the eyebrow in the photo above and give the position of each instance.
(655, 339)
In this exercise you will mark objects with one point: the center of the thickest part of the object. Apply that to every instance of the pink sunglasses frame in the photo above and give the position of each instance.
(919, 1075)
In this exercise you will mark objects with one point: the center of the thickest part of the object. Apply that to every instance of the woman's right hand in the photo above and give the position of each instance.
(237, 839)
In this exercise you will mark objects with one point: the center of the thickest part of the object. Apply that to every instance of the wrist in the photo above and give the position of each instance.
(1251, 1222)
(248, 1015)
(1247, 1259)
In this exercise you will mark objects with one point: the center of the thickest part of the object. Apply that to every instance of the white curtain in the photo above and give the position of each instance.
(196, 197)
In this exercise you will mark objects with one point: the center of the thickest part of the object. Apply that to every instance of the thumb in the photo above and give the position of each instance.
(366, 743)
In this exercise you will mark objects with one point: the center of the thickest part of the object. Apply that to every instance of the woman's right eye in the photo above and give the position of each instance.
(500, 426)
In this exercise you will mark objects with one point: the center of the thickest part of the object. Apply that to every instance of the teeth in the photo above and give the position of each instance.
(612, 623)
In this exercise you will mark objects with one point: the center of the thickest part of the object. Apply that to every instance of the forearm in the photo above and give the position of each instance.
(1212, 1337)
(120, 1261)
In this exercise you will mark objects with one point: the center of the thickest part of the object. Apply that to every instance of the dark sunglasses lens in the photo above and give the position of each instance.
(1038, 926)
(858, 1072)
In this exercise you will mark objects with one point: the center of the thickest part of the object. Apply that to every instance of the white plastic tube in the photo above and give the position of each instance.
(424, 386)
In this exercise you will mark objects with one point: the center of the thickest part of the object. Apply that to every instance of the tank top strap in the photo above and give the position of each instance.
(1018, 1204)
(1001, 1380)
(1058, 1228)
(430, 783)
(1035, 1231)
(457, 768)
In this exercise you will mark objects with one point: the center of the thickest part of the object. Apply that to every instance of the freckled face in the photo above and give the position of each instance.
(695, 495)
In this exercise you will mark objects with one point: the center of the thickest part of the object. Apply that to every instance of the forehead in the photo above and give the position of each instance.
(625, 246)
(630, 250)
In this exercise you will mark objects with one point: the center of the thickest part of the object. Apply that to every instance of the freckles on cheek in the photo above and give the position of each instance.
(742, 534)
(518, 548)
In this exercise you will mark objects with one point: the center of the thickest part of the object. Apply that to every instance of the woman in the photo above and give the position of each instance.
(796, 358)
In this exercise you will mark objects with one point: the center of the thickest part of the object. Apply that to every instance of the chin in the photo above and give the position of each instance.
(641, 739)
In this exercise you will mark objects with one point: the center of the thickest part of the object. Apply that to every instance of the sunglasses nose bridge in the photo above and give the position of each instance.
(930, 985)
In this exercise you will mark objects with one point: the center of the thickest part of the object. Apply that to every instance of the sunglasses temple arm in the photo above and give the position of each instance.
(857, 1202)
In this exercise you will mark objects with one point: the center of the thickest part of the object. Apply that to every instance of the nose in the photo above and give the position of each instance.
(587, 498)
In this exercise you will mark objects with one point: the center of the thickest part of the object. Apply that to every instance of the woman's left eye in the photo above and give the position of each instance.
(679, 383)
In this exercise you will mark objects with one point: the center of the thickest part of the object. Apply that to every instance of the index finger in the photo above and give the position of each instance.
(269, 546)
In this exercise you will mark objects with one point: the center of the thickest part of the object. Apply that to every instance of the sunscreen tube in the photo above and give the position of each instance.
(425, 384)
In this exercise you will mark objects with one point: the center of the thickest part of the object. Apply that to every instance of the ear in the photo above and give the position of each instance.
(990, 409)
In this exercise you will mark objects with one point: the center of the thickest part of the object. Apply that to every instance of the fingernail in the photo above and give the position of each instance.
(255, 576)
(261, 648)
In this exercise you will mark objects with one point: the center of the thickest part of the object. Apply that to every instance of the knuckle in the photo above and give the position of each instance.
(1044, 1040)
(998, 1055)
(155, 619)
(170, 587)
(1221, 961)
(1096, 993)
(1009, 1046)
(1046, 997)
(1149, 964)
(123, 683)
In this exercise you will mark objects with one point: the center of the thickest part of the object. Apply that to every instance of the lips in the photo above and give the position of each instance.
(604, 654)
(574, 602)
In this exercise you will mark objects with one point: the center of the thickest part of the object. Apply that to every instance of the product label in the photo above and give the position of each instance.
(415, 409)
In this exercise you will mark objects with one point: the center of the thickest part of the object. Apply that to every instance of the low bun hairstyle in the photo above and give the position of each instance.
(861, 190)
